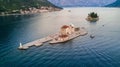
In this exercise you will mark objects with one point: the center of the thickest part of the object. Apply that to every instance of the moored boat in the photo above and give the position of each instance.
(92, 36)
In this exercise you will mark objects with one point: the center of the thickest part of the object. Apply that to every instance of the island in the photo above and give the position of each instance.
(92, 17)
(66, 33)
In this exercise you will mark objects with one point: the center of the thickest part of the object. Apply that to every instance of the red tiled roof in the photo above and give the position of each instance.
(64, 27)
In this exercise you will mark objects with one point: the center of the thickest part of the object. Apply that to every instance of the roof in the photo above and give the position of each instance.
(65, 26)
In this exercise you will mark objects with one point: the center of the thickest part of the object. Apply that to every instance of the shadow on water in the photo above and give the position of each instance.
(64, 43)
(9, 23)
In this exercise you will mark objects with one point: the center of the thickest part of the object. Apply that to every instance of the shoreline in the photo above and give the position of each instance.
(26, 14)
(33, 11)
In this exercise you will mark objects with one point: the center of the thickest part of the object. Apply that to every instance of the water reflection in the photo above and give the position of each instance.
(92, 23)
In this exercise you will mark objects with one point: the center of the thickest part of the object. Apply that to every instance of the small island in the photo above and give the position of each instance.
(92, 17)
(66, 33)
(20, 7)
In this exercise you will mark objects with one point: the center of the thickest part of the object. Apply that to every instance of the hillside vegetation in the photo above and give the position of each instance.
(10, 5)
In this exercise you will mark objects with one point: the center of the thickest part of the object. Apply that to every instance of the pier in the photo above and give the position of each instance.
(38, 42)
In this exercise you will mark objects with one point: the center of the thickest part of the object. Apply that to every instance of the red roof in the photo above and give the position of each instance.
(65, 26)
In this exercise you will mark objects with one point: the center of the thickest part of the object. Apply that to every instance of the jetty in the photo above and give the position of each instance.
(38, 42)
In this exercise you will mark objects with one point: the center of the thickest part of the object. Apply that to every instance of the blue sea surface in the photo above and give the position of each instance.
(101, 51)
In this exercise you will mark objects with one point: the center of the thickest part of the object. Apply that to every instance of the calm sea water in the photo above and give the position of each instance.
(102, 51)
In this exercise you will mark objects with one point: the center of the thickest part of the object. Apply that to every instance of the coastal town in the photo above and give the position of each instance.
(32, 10)
(42, 9)
(21, 7)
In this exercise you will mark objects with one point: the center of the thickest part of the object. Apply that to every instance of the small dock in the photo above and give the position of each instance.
(38, 42)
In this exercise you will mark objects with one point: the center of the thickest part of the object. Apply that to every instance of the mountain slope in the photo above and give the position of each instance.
(9, 5)
(115, 4)
(81, 3)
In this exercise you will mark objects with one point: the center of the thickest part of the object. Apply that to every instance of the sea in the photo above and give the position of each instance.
(101, 51)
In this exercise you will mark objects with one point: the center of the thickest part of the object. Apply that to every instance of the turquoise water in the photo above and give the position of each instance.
(102, 51)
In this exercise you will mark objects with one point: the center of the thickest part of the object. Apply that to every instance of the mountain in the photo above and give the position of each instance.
(10, 5)
(81, 3)
(115, 4)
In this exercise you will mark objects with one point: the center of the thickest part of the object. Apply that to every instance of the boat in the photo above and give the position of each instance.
(69, 10)
(92, 17)
(92, 36)
(67, 33)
